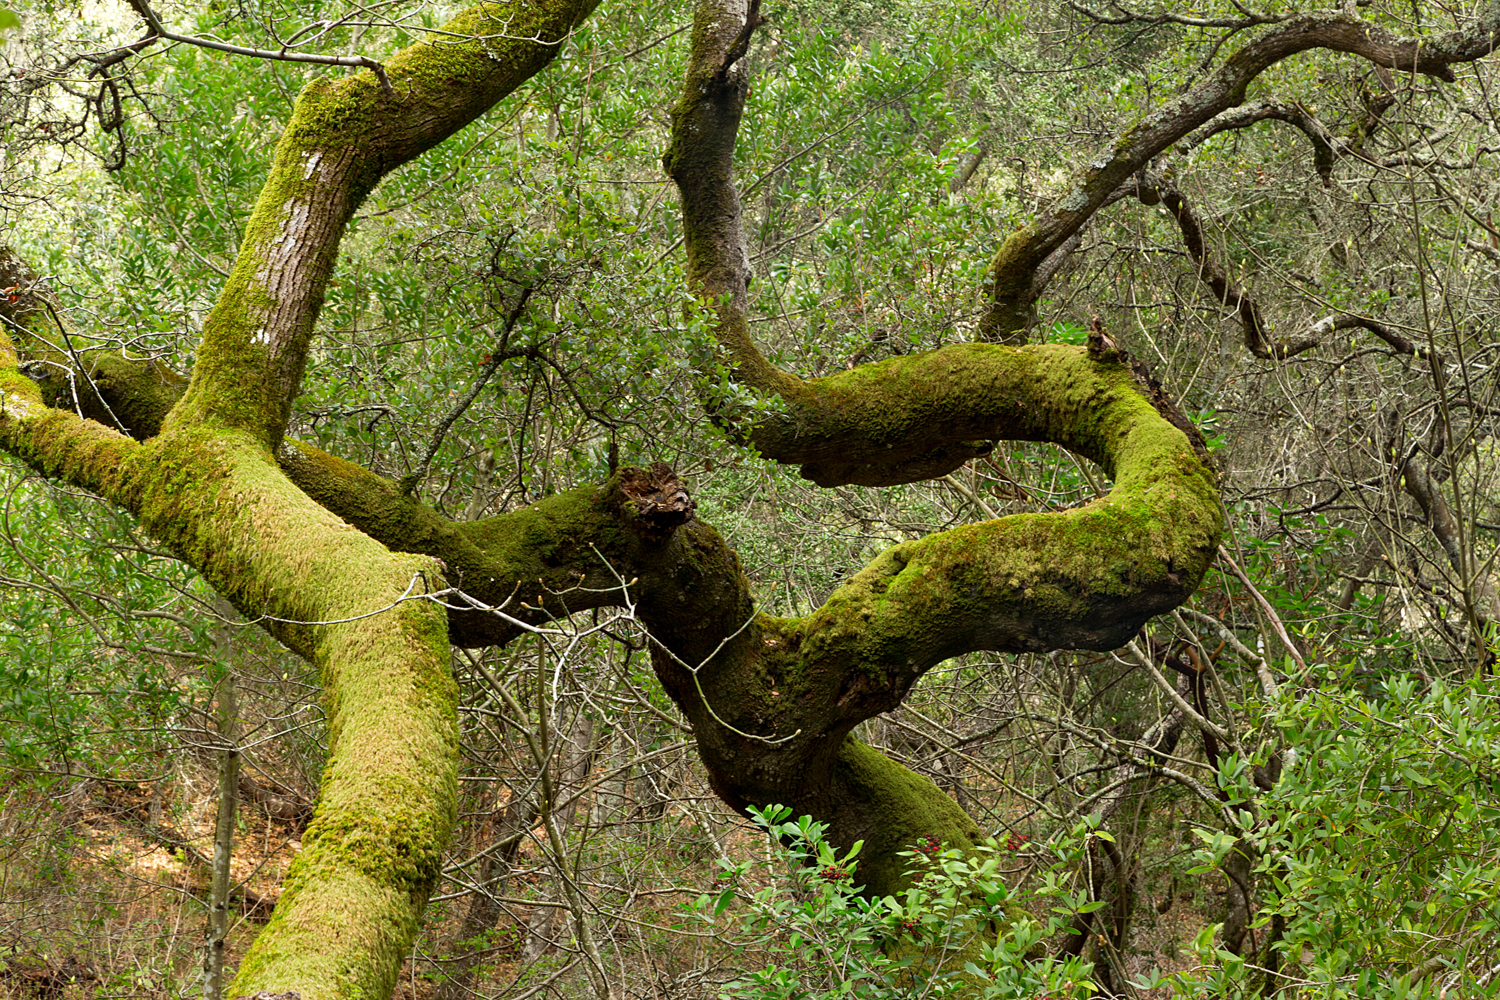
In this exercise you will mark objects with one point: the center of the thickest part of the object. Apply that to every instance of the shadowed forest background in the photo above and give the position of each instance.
(1289, 786)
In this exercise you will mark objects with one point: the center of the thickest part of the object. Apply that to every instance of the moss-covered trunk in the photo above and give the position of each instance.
(208, 486)
(355, 894)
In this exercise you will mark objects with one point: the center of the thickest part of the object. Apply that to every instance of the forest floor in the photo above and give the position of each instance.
(103, 889)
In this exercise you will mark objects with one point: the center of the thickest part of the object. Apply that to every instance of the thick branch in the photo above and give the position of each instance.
(344, 135)
(904, 419)
(374, 850)
(564, 554)
(772, 705)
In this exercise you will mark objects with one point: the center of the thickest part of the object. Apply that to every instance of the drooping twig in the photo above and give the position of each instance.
(1154, 189)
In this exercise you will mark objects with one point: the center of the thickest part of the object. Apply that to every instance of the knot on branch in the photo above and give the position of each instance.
(21, 291)
(1102, 347)
(741, 44)
(656, 499)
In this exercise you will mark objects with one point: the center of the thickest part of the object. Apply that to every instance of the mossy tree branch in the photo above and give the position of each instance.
(343, 137)
(773, 706)
(1087, 577)
(207, 486)
(916, 417)
(354, 897)
(318, 544)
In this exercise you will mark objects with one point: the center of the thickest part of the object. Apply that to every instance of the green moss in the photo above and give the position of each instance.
(354, 898)
(58, 443)
(207, 487)
(903, 808)
(780, 665)
(1082, 578)
(386, 810)
(1007, 284)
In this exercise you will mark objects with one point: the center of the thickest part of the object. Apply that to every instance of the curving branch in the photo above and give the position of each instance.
(343, 137)
(1326, 146)
(773, 705)
(1009, 280)
(1153, 188)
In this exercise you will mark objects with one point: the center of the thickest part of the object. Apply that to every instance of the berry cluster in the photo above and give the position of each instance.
(1016, 841)
(834, 873)
(928, 844)
(909, 926)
